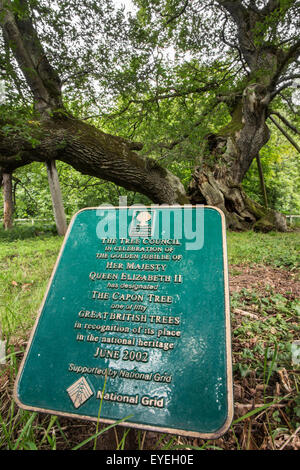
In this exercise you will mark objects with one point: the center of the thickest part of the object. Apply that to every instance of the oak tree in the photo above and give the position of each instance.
(58, 58)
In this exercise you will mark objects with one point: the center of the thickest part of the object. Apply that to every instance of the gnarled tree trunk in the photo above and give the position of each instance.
(229, 153)
(227, 158)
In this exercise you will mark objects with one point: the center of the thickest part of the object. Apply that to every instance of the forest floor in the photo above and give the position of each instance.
(265, 310)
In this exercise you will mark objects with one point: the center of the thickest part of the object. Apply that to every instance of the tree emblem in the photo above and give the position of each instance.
(143, 218)
(142, 224)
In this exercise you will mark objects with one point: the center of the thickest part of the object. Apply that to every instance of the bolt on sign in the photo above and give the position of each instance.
(135, 323)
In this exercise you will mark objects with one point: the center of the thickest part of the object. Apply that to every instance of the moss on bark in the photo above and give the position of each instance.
(236, 123)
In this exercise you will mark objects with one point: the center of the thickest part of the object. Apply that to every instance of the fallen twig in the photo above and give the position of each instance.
(290, 438)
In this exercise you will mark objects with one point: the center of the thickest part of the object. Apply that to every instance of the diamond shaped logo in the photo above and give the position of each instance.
(80, 392)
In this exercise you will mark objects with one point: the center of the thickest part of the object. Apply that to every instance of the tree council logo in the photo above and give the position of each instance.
(142, 224)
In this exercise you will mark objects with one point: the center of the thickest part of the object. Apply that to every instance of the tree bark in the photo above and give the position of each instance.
(210, 187)
(41, 77)
(8, 201)
(57, 201)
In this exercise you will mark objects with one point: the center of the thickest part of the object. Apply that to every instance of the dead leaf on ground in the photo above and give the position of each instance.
(284, 380)
(26, 286)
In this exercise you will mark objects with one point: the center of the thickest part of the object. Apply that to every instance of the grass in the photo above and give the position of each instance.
(25, 268)
(280, 250)
(265, 325)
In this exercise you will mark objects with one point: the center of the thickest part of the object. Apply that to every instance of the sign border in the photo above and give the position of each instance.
(182, 432)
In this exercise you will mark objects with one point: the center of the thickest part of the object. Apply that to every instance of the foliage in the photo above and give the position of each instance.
(281, 169)
(280, 162)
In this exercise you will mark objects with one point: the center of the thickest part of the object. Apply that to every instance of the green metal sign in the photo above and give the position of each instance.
(136, 319)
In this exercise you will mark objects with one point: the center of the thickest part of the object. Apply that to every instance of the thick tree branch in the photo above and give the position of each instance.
(286, 58)
(92, 152)
(244, 20)
(294, 52)
(282, 87)
(292, 76)
(233, 46)
(41, 78)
